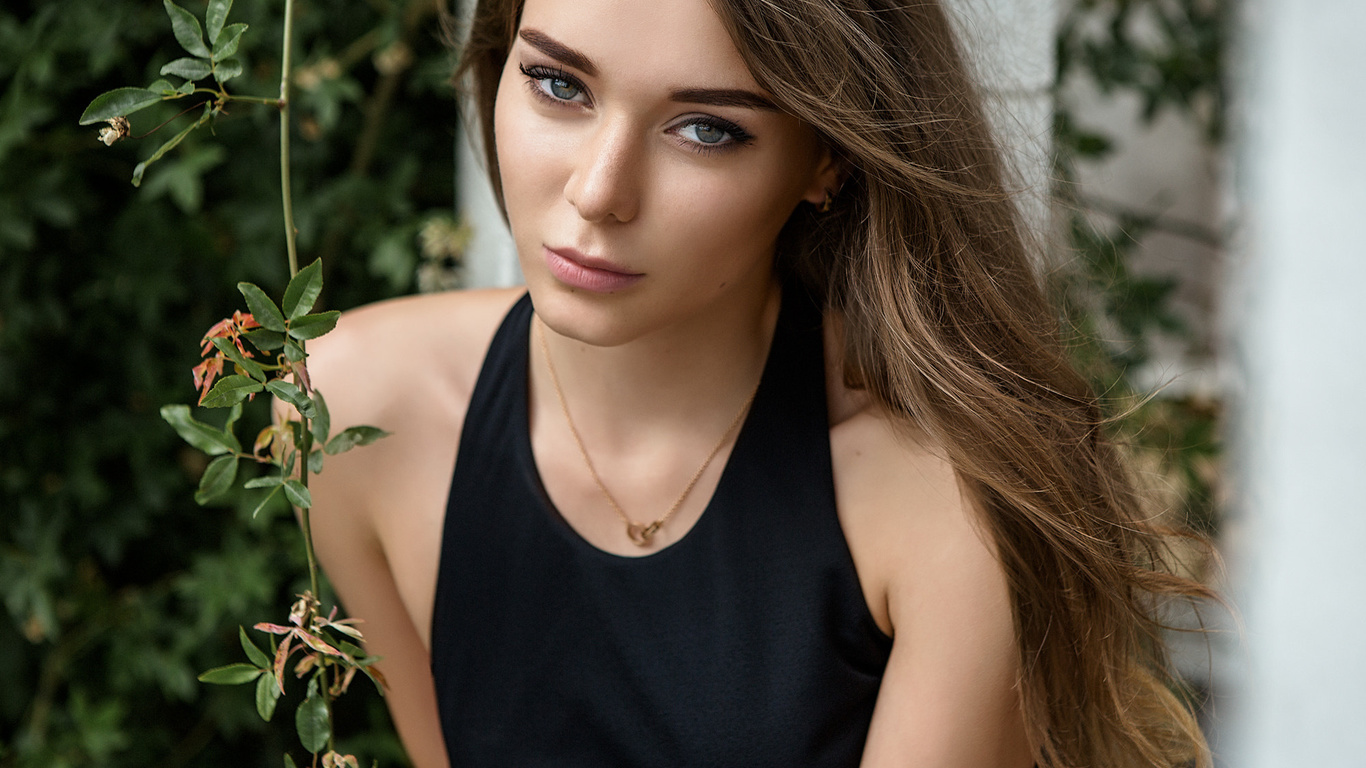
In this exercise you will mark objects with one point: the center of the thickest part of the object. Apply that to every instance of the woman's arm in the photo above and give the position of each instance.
(407, 366)
(948, 697)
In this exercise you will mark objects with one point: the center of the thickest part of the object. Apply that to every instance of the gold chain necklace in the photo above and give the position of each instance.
(640, 534)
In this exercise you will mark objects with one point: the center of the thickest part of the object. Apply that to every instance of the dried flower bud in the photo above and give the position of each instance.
(117, 131)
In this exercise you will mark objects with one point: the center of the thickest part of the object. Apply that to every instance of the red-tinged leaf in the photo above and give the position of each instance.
(318, 644)
(309, 661)
(264, 438)
(346, 681)
(346, 630)
(205, 373)
(377, 678)
(281, 656)
(223, 329)
(274, 629)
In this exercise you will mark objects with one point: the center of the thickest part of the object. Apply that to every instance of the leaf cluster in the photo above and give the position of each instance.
(116, 589)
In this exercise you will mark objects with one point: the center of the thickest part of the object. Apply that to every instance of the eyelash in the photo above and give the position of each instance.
(738, 136)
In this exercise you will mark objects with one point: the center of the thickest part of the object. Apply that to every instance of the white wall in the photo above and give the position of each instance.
(1300, 551)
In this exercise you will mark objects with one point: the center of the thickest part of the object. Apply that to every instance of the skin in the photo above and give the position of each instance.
(606, 156)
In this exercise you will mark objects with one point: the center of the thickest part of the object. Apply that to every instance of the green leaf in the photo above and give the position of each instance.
(294, 351)
(257, 656)
(267, 696)
(171, 144)
(214, 19)
(202, 436)
(231, 352)
(265, 340)
(187, 30)
(313, 326)
(313, 723)
(353, 436)
(265, 481)
(264, 501)
(217, 479)
(292, 395)
(289, 762)
(190, 69)
(231, 390)
(297, 494)
(303, 290)
(315, 461)
(119, 102)
(227, 42)
(232, 674)
(262, 308)
(322, 419)
(226, 70)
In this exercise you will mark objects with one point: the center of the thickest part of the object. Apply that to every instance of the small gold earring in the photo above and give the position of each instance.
(826, 203)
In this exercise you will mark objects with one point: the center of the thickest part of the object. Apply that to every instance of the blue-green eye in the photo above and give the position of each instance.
(553, 85)
(712, 134)
(706, 133)
(561, 89)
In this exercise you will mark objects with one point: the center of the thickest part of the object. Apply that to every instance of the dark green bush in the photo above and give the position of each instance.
(117, 589)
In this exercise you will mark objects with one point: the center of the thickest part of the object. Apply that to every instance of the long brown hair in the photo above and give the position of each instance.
(946, 326)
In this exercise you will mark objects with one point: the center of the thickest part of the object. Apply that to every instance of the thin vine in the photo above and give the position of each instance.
(250, 353)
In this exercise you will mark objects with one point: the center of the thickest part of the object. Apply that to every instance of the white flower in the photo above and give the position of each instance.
(118, 129)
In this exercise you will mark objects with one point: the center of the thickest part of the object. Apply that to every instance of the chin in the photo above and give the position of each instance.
(602, 320)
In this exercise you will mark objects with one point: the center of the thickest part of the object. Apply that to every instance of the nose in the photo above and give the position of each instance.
(605, 182)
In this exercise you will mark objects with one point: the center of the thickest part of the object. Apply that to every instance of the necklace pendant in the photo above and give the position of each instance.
(641, 535)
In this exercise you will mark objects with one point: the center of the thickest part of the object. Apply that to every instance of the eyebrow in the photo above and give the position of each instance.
(559, 51)
(723, 97)
(716, 97)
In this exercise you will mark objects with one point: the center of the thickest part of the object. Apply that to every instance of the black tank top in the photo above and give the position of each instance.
(746, 643)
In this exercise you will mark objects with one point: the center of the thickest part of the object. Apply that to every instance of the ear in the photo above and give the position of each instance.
(828, 178)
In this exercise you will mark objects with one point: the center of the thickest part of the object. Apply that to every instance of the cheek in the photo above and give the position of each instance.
(530, 154)
(733, 216)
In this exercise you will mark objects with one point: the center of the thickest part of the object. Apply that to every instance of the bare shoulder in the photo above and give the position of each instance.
(913, 531)
(407, 366)
(929, 569)
(381, 355)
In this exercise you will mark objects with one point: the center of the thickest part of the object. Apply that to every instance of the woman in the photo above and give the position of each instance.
(786, 465)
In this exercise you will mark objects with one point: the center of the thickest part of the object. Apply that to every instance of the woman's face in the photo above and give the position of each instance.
(645, 173)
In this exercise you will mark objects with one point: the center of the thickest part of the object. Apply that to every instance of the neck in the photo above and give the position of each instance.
(688, 377)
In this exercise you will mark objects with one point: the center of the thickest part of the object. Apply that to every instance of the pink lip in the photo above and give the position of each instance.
(588, 273)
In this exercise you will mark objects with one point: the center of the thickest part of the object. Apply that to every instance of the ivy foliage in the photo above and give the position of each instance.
(117, 589)
(1170, 54)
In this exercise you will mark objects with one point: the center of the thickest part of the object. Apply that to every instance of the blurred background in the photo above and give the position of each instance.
(1193, 167)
